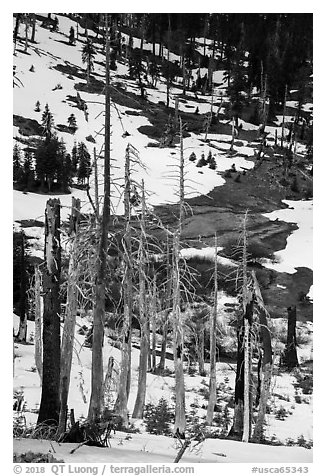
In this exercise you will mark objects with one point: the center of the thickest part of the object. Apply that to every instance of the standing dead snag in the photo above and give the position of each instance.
(22, 333)
(96, 401)
(38, 322)
(144, 337)
(266, 362)
(70, 319)
(121, 403)
(212, 376)
(180, 407)
(290, 358)
(50, 399)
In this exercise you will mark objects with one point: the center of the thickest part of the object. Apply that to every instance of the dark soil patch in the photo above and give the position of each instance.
(27, 127)
(64, 128)
(29, 223)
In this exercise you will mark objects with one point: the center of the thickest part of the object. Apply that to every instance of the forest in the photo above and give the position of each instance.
(150, 292)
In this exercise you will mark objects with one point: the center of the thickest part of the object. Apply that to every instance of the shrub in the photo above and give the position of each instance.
(281, 413)
(31, 457)
(158, 418)
(300, 441)
(305, 382)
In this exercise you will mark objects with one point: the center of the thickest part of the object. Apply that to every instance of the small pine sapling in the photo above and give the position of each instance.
(192, 157)
(37, 106)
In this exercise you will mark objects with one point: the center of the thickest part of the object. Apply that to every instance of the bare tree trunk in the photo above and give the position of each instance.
(247, 341)
(233, 136)
(96, 400)
(125, 366)
(212, 375)
(33, 27)
(201, 350)
(38, 323)
(144, 337)
(284, 110)
(180, 417)
(22, 333)
(107, 382)
(26, 32)
(68, 335)
(290, 354)
(97, 206)
(50, 399)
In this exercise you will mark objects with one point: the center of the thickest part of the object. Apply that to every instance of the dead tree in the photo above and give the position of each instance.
(290, 358)
(70, 318)
(125, 367)
(247, 304)
(283, 120)
(50, 399)
(96, 400)
(266, 363)
(38, 321)
(178, 343)
(212, 376)
(144, 337)
(22, 332)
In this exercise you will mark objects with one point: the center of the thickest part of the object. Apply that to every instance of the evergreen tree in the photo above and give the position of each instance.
(17, 168)
(55, 24)
(64, 168)
(46, 161)
(74, 159)
(37, 106)
(137, 69)
(72, 123)
(72, 39)
(47, 122)
(28, 171)
(88, 55)
(153, 70)
(84, 160)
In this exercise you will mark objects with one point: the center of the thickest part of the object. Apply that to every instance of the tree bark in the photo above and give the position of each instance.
(212, 375)
(38, 323)
(22, 333)
(125, 367)
(50, 399)
(180, 417)
(70, 319)
(144, 337)
(266, 364)
(290, 354)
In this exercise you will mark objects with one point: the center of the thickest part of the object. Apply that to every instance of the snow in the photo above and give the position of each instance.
(161, 449)
(299, 212)
(160, 165)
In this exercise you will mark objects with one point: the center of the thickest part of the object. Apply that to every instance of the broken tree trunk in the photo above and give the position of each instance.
(266, 363)
(212, 375)
(50, 399)
(68, 334)
(290, 358)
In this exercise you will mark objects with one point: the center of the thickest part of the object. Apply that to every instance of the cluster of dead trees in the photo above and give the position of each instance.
(90, 272)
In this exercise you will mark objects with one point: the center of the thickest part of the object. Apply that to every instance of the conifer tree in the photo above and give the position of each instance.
(74, 159)
(47, 122)
(72, 123)
(37, 106)
(72, 39)
(88, 56)
(17, 169)
(137, 69)
(84, 161)
(28, 171)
